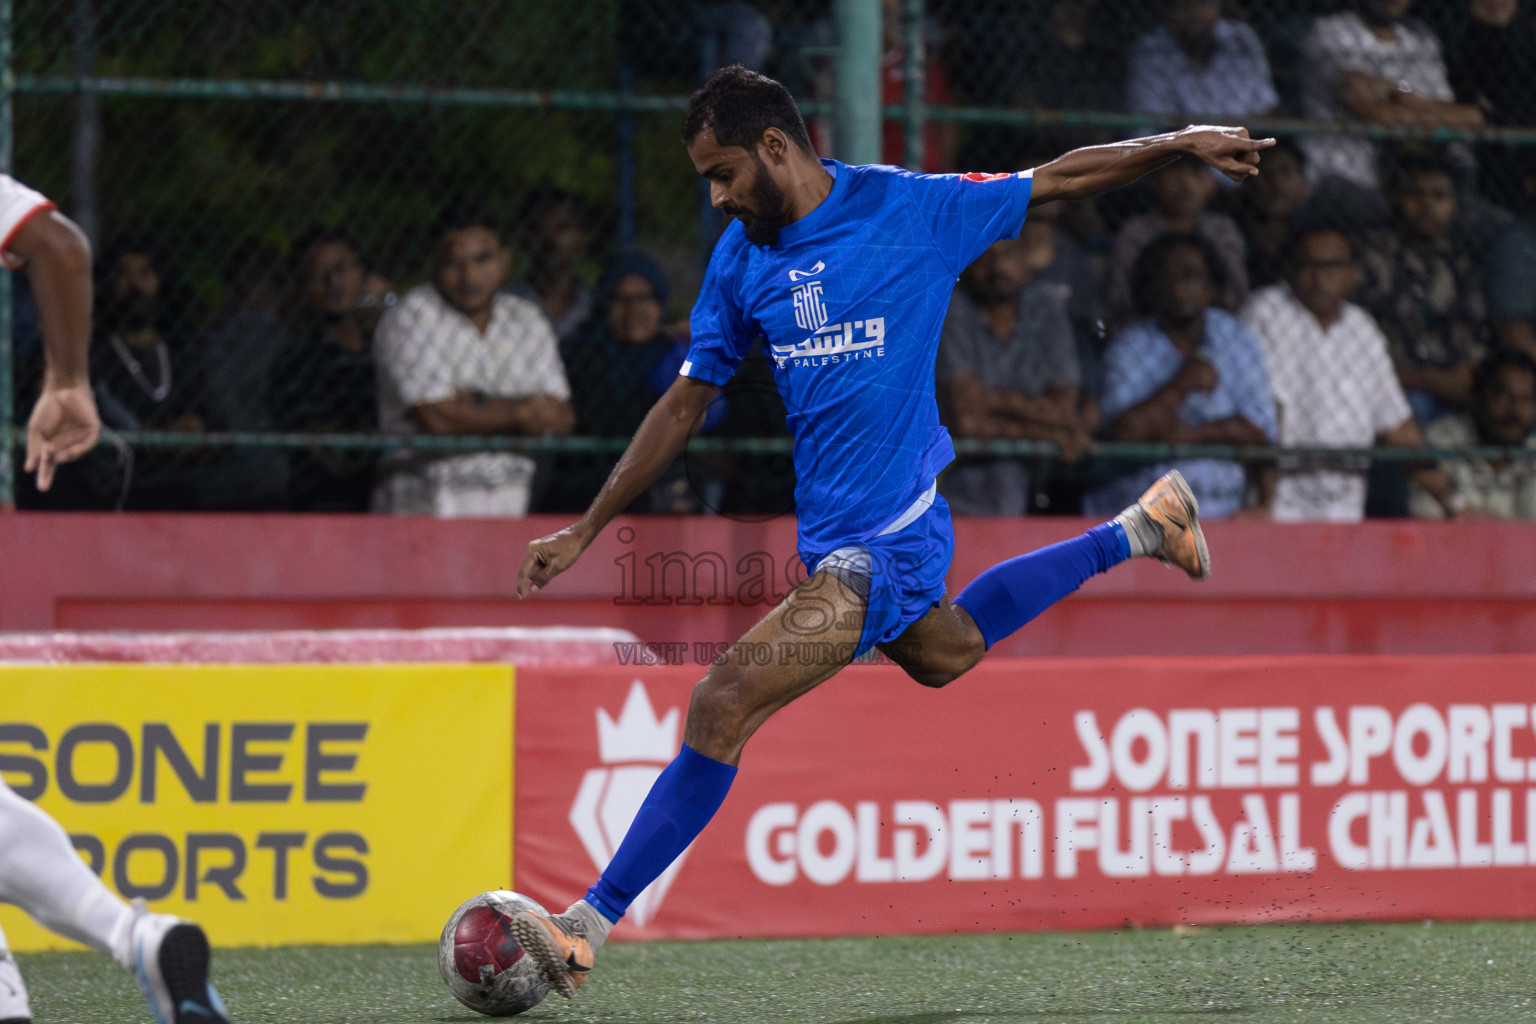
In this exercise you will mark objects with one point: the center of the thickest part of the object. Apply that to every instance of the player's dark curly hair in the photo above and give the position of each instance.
(1146, 271)
(739, 105)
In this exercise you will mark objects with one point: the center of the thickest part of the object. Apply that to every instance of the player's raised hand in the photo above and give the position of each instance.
(1229, 150)
(64, 426)
(548, 557)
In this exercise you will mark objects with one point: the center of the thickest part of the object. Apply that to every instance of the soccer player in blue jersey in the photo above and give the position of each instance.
(846, 272)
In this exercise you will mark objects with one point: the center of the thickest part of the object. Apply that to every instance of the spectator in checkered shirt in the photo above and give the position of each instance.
(1333, 382)
(458, 356)
(1503, 415)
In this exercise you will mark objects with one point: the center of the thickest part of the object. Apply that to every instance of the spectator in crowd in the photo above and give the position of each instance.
(1332, 379)
(1492, 42)
(618, 367)
(1265, 207)
(457, 356)
(1509, 273)
(145, 377)
(1503, 414)
(1070, 278)
(1181, 195)
(1007, 370)
(1199, 63)
(1062, 55)
(325, 380)
(556, 237)
(1373, 65)
(1423, 285)
(237, 352)
(1187, 372)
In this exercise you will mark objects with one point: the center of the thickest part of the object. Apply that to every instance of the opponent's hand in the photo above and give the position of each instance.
(1229, 150)
(64, 426)
(547, 558)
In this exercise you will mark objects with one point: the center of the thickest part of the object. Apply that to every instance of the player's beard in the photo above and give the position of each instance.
(762, 227)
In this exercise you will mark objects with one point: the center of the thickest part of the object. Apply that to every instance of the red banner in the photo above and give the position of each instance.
(1052, 794)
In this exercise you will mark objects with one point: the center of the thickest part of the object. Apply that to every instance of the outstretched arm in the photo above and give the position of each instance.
(64, 423)
(674, 418)
(1094, 169)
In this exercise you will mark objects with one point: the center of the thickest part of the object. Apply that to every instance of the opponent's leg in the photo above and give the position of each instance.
(41, 873)
(812, 635)
(1164, 524)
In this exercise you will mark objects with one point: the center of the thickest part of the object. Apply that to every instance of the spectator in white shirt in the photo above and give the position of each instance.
(1333, 383)
(458, 356)
(1373, 65)
(1503, 415)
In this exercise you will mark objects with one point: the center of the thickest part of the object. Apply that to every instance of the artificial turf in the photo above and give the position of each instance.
(1483, 972)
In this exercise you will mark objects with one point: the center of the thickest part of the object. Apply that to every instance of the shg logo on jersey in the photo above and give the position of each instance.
(827, 344)
(810, 310)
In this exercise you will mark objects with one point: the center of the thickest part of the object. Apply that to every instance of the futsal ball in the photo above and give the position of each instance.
(482, 963)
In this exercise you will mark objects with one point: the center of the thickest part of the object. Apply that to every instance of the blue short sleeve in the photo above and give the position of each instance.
(965, 213)
(720, 336)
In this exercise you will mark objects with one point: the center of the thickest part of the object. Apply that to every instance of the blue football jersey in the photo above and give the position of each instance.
(850, 304)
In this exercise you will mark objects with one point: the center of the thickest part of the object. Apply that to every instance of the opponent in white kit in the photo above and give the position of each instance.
(39, 869)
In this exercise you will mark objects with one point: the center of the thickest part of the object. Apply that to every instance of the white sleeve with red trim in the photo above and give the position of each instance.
(18, 204)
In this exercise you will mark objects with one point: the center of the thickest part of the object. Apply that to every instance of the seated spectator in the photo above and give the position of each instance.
(1503, 414)
(1069, 59)
(618, 367)
(1509, 273)
(1332, 379)
(1264, 208)
(1423, 285)
(1186, 373)
(1181, 193)
(237, 351)
(325, 380)
(555, 235)
(1199, 63)
(1490, 40)
(1007, 370)
(145, 377)
(1373, 65)
(458, 356)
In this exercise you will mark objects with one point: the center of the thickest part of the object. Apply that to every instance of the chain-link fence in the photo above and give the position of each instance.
(292, 202)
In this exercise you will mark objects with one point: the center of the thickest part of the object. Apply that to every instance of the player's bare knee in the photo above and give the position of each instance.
(717, 708)
(939, 669)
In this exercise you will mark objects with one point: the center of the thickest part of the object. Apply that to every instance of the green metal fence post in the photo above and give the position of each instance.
(7, 399)
(916, 72)
(858, 81)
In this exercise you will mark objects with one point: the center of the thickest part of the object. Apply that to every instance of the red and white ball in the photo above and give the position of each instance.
(482, 963)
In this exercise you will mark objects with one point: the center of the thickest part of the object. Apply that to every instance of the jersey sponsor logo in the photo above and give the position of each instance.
(795, 275)
(835, 343)
(810, 310)
(979, 176)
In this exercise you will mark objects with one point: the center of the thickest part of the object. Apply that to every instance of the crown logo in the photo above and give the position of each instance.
(638, 735)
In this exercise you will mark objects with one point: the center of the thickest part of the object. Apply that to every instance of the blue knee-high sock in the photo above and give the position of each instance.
(1011, 593)
(685, 796)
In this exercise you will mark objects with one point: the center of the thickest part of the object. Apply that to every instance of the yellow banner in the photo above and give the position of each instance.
(273, 804)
